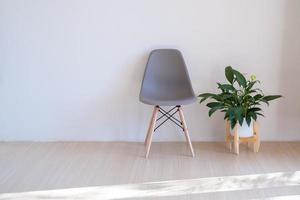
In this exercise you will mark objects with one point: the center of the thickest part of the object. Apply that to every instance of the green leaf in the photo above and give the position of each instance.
(231, 113)
(229, 74)
(250, 85)
(240, 78)
(241, 120)
(226, 96)
(239, 114)
(257, 97)
(206, 95)
(226, 115)
(203, 99)
(248, 120)
(212, 110)
(220, 87)
(214, 104)
(233, 123)
(271, 97)
(252, 91)
(253, 115)
(226, 87)
(260, 114)
(255, 109)
(217, 97)
(247, 98)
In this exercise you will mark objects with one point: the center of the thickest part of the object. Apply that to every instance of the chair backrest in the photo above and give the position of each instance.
(166, 76)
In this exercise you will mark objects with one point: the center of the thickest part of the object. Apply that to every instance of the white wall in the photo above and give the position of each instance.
(71, 69)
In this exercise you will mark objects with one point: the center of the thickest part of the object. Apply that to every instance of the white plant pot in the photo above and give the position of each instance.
(244, 130)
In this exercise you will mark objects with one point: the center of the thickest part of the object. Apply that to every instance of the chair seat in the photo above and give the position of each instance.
(168, 102)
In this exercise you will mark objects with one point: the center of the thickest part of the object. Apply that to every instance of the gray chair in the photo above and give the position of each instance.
(166, 82)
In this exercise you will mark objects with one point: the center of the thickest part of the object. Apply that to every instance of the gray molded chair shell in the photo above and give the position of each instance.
(166, 80)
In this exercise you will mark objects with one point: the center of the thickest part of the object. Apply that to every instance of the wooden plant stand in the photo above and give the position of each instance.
(252, 142)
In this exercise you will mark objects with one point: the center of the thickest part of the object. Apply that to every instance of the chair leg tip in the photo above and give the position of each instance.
(147, 155)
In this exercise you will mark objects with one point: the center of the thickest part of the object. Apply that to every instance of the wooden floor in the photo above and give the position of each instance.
(118, 170)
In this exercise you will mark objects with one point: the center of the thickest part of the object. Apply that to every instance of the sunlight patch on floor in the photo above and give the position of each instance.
(164, 188)
(288, 197)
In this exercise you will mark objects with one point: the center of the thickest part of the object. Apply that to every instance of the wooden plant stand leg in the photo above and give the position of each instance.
(149, 136)
(236, 140)
(250, 145)
(186, 132)
(256, 144)
(228, 136)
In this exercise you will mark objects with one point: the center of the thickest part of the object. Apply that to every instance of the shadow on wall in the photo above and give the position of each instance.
(289, 79)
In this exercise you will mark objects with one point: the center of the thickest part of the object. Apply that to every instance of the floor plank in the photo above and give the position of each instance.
(27, 167)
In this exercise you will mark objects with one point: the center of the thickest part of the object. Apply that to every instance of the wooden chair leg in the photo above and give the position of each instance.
(236, 140)
(257, 135)
(149, 128)
(187, 136)
(228, 139)
(148, 139)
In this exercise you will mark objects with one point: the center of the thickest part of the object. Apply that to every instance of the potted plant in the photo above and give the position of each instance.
(239, 99)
